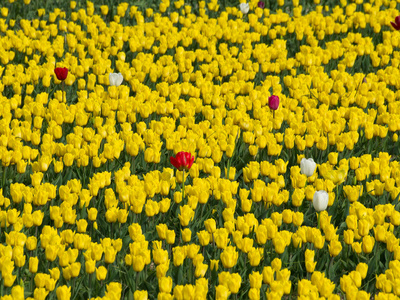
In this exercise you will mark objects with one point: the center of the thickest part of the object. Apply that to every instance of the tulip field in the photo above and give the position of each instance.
(199, 149)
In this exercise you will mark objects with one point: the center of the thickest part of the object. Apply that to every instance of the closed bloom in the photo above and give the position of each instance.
(61, 73)
(101, 273)
(63, 292)
(320, 200)
(244, 8)
(396, 24)
(140, 295)
(261, 4)
(222, 292)
(165, 284)
(115, 79)
(186, 215)
(182, 161)
(17, 292)
(273, 102)
(229, 257)
(334, 248)
(33, 264)
(307, 166)
(368, 243)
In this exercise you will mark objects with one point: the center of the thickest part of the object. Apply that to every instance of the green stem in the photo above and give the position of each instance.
(183, 186)
(229, 167)
(3, 181)
(137, 281)
(319, 220)
(90, 284)
(63, 88)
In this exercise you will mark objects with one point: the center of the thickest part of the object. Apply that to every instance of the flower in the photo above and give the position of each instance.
(182, 161)
(101, 273)
(244, 8)
(115, 79)
(229, 257)
(61, 73)
(320, 200)
(261, 4)
(273, 102)
(396, 24)
(63, 292)
(307, 166)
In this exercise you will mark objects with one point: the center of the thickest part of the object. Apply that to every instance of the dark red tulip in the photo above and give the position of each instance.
(61, 73)
(396, 24)
(273, 102)
(261, 4)
(182, 161)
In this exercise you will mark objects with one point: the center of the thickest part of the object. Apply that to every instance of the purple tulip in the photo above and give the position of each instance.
(273, 102)
(261, 4)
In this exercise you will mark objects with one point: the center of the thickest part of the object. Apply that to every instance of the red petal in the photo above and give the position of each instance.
(395, 26)
(191, 162)
(175, 162)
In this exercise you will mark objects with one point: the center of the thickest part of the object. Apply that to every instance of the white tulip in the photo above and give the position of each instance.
(307, 166)
(244, 8)
(320, 200)
(116, 79)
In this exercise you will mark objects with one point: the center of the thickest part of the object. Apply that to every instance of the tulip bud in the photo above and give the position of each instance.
(273, 102)
(115, 79)
(244, 8)
(320, 200)
(307, 166)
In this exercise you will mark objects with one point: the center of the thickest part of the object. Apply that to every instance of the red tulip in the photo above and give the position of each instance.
(273, 102)
(61, 73)
(182, 161)
(396, 24)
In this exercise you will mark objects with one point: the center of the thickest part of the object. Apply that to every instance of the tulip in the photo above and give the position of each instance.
(222, 292)
(140, 295)
(165, 284)
(115, 79)
(261, 4)
(183, 161)
(17, 292)
(396, 24)
(61, 73)
(320, 200)
(307, 166)
(255, 279)
(101, 273)
(229, 257)
(335, 247)
(33, 264)
(244, 8)
(63, 292)
(273, 102)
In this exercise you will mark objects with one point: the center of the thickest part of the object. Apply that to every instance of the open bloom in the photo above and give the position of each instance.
(61, 73)
(115, 79)
(273, 102)
(320, 200)
(396, 24)
(182, 161)
(244, 8)
(307, 166)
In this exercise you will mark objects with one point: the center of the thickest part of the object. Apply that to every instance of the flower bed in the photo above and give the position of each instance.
(212, 150)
